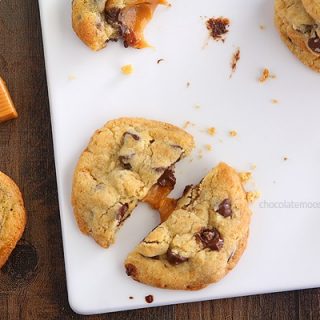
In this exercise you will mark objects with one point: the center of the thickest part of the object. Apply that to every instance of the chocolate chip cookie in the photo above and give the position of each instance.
(313, 8)
(12, 217)
(124, 161)
(299, 31)
(96, 22)
(202, 239)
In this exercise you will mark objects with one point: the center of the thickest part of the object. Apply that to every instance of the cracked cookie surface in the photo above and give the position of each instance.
(202, 239)
(299, 31)
(124, 160)
(12, 217)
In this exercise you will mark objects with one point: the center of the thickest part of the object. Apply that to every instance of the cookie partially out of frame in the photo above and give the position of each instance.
(313, 8)
(299, 31)
(96, 22)
(12, 217)
(201, 241)
(124, 161)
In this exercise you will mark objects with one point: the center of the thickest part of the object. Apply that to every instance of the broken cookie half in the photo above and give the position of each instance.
(201, 240)
(125, 161)
(96, 22)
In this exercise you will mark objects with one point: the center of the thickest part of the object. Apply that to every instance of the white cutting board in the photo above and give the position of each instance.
(87, 89)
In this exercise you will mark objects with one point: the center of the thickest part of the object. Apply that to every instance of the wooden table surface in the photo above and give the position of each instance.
(33, 284)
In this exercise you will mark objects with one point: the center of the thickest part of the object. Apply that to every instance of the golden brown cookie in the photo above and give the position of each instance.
(299, 31)
(96, 22)
(124, 161)
(12, 217)
(313, 8)
(201, 241)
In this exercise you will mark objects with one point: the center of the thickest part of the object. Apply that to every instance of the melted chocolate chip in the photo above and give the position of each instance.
(210, 238)
(23, 261)
(175, 258)
(131, 270)
(149, 298)
(314, 44)
(167, 179)
(122, 211)
(133, 135)
(124, 160)
(225, 208)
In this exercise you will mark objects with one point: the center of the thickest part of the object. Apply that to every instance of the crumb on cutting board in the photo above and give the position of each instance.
(253, 166)
(218, 28)
(72, 77)
(188, 84)
(265, 75)
(262, 27)
(127, 69)
(197, 106)
(211, 131)
(208, 147)
(233, 133)
(285, 158)
(274, 101)
(234, 61)
(159, 60)
(187, 124)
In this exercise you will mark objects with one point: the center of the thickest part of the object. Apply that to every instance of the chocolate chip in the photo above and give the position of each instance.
(167, 179)
(131, 270)
(210, 238)
(124, 160)
(187, 189)
(133, 135)
(175, 258)
(225, 208)
(149, 298)
(122, 211)
(112, 15)
(314, 44)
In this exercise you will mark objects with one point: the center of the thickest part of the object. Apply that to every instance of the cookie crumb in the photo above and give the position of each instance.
(160, 60)
(262, 27)
(245, 176)
(265, 75)
(187, 124)
(285, 158)
(233, 133)
(188, 84)
(274, 101)
(208, 147)
(252, 196)
(130, 297)
(127, 69)
(200, 154)
(71, 77)
(253, 166)
(211, 131)
(197, 106)
(234, 61)
(218, 28)
(149, 298)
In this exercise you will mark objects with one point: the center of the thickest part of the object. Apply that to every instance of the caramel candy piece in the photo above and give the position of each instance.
(7, 109)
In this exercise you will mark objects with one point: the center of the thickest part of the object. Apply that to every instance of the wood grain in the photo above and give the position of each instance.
(32, 285)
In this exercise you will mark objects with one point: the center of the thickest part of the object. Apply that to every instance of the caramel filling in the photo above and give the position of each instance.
(133, 19)
(157, 199)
